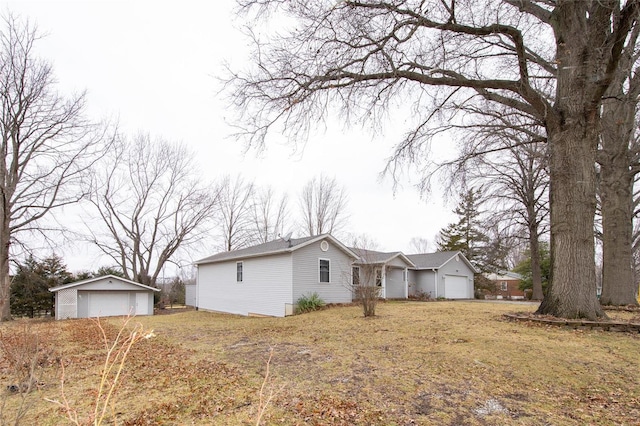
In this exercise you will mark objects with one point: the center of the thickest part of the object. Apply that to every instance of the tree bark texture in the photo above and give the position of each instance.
(616, 197)
(573, 131)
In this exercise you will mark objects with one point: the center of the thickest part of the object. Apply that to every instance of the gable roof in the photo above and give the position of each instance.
(504, 275)
(90, 280)
(274, 247)
(374, 257)
(437, 260)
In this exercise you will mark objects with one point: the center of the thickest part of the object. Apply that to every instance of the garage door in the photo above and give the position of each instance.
(108, 303)
(456, 287)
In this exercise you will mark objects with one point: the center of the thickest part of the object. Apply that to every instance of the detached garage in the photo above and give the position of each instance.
(105, 296)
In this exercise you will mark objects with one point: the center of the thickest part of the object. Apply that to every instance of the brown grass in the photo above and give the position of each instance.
(437, 363)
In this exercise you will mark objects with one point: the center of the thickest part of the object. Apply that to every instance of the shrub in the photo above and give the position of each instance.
(367, 296)
(308, 303)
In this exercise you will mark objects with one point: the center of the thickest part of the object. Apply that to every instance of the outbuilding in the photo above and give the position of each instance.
(105, 296)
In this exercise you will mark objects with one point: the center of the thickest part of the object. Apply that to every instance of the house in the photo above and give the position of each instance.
(269, 278)
(447, 274)
(387, 270)
(507, 285)
(104, 296)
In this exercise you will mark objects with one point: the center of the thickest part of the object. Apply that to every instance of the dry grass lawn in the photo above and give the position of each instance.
(435, 363)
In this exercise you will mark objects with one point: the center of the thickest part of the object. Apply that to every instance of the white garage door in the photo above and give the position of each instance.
(456, 287)
(108, 303)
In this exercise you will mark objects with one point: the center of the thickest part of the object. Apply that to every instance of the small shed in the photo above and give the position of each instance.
(105, 296)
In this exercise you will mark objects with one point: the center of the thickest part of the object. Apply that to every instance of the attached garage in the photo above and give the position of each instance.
(457, 287)
(446, 274)
(105, 296)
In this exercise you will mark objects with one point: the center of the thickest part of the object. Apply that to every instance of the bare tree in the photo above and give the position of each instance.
(268, 215)
(47, 145)
(366, 279)
(236, 213)
(553, 60)
(151, 203)
(323, 203)
(419, 245)
(510, 160)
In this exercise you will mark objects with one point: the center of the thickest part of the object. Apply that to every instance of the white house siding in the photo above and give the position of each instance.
(397, 262)
(265, 289)
(306, 278)
(190, 295)
(423, 281)
(395, 287)
(110, 285)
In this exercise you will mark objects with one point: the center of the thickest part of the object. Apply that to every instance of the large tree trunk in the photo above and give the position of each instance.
(616, 195)
(572, 290)
(573, 129)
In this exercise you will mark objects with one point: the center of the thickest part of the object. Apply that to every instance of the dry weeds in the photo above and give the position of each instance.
(437, 363)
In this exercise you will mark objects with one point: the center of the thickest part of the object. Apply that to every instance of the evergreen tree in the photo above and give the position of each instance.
(30, 286)
(524, 268)
(466, 235)
(109, 270)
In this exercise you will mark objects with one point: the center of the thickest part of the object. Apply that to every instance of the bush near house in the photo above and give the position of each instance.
(308, 303)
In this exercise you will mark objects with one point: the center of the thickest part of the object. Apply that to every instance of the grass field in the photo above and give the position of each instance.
(435, 363)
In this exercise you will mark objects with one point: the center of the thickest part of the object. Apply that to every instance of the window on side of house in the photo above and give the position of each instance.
(378, 277)
(324, 270)
(355, 275)
(239, 267)
(503, 286)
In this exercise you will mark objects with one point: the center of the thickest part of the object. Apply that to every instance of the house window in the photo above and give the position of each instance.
(379, 277)
(503, 286)
(324, 271)
(239, 271)
(355, 275)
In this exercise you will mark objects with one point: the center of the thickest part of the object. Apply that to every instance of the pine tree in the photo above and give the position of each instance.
(465, 235)
(30, 286)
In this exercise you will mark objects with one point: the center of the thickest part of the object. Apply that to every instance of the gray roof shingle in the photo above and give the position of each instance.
(373, 257)
(431, 260)
(270, 247)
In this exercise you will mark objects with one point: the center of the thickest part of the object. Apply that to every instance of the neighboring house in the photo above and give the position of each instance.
(445, 274)
(269, 278)
(507, 285)
(104, 296)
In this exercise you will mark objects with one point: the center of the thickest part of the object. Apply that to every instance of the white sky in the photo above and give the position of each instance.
(153, 66)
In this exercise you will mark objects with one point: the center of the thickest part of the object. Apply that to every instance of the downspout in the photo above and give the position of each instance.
(197, 287)
(406, 283)
(384, 281)
(435, 280)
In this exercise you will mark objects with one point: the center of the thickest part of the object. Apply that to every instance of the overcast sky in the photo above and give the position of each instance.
(154, 67)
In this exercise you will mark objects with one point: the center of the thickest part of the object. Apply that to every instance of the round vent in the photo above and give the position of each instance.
(324, 246)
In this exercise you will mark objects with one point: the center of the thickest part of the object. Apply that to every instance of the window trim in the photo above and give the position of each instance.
(320, 260)
(504, 286)
(376, 277)
(353, 275)
(239, 272)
